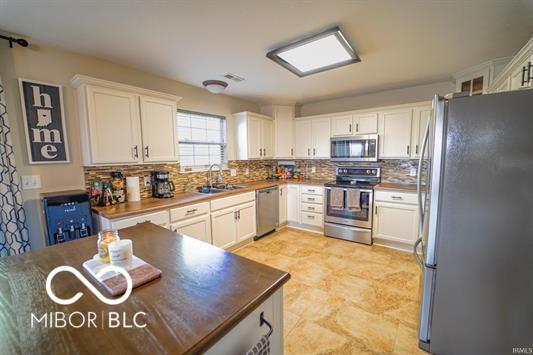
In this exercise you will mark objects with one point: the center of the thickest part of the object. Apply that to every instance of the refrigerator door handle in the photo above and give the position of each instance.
(415, 247)
(419, 179)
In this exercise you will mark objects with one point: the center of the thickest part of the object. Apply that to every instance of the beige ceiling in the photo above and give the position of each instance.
(401, 43)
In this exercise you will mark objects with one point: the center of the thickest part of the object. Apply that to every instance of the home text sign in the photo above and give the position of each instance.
(46, 137)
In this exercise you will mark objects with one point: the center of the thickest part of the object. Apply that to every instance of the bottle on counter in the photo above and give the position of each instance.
(105, 238)
(119, 188)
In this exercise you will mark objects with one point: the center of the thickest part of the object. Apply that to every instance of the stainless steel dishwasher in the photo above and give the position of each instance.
(267, 210)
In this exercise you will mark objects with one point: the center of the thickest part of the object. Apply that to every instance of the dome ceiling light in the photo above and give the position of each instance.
(215, 86)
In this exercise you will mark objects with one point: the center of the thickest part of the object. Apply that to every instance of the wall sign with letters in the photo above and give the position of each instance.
(44, 122)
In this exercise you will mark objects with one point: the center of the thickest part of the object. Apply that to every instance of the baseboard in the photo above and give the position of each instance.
(408, 248)
(305, 227)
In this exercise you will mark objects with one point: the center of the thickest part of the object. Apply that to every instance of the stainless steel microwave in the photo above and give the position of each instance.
(355, 148)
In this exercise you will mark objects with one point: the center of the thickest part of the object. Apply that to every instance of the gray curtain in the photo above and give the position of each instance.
(14, 237)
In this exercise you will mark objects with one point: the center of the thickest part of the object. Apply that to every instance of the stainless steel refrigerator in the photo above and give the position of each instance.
(476, 226)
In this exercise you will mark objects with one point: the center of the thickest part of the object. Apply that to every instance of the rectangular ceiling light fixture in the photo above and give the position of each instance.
(323, 51)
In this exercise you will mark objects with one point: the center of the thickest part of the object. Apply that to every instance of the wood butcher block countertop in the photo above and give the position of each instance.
(202, 294)
(182, 199)
(396, 187)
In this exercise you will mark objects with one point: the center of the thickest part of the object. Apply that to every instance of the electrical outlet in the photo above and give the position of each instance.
(247, 171)
(30, 182)
(147, 181)
(313, 169)
(412, 172)
(233, 172)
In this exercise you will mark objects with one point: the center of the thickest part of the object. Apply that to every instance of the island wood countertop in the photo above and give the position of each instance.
(153, 204)
(203, 293)
(396, 187)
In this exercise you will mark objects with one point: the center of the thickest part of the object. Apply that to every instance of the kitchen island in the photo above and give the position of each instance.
(207, 300)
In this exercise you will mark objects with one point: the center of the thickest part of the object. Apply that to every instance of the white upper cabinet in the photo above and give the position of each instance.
(267, 139)
(283, 132)
(254, 136)
(365, 123)
(122, 124)
(354, 124)
(302, 139)
(395, 133)
(421, 116)
(113, 120)
(159, 129)
(518, 73)
(320, 129)
(342, 125)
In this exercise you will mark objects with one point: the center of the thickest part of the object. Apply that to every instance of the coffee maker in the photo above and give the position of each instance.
(162, 187)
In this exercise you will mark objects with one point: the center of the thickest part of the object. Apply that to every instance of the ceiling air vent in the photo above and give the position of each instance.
(233, 77)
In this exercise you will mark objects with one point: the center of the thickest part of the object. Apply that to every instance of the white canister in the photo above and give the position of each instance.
(121, 253)
(134, 190)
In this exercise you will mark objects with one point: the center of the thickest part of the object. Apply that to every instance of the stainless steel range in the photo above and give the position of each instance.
(349, 204)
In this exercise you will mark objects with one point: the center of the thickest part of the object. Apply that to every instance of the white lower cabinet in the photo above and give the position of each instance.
(160, 218)
(246, 225)
(293, 203)
(197, 227)
(283, 204)
(395, 219)
(224, 227)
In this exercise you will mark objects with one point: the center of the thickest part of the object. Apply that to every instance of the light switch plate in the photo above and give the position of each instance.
(247, 171)
(146, 181)
(412, 172)
(313, 169)
(30, 182)
(233, 172)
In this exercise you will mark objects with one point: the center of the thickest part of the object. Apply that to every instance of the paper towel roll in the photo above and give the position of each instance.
(134, 191)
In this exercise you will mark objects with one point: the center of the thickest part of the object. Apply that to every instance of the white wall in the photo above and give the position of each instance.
(53, 65)
(381, 98)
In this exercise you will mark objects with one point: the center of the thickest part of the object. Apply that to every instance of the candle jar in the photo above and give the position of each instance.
(105, 238)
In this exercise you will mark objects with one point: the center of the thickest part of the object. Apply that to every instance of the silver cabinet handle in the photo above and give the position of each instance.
(238, 214)
(308, 151)
(310, 208)
(235, 215)
(350, 128)
(397, 197)
(292, 152)
(408, 150)
(314, 151)
(309, 216)
(260, 152)
(311, 190)
(147, 151)
(357, 127)
(310, 199)
(416, 149)
(192, 211)
(135, 152)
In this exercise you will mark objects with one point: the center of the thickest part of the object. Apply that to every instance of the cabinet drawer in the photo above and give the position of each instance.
(312, 199)
(312, 190)
(233, 200)
(313, 219)
(159, 218)
(395, 196)
(177, 214)
(308, 207)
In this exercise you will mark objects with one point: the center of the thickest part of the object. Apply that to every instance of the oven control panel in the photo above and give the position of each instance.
(360, 171)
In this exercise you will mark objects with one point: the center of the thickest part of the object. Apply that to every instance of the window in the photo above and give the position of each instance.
(202, 140)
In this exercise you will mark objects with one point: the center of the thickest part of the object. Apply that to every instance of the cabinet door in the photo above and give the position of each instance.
(114, 126)
(284, 132)
(282, 204)
(342, 125)
(223, 227)
(267, 139)
(366, 123)
(395, 133)
(254, 138)
(246, 226)
(421, 116)
(396, 222)
(159, 130)
(302, 139)
(293, 203)
(321, 129)
(198, 228)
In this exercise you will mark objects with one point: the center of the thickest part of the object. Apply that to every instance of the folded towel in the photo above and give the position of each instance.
(337, 198)
(261, 348)
(353, 197)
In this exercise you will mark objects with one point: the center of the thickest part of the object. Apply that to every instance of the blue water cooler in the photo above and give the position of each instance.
(67, 215)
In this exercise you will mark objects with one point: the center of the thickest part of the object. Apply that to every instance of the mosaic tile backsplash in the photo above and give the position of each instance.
(396, 171)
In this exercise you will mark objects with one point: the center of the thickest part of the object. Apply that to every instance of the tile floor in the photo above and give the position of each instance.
(343, 297)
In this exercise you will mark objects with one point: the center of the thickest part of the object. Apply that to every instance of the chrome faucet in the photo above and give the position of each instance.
(210, 174)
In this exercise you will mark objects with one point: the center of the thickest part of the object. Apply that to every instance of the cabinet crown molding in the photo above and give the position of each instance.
(523, 53)
(249, 113)
(80, 79)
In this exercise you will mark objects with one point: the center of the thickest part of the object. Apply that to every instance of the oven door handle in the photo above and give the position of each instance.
(346, 189)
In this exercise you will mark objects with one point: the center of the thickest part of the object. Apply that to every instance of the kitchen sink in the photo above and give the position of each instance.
(219, 188)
